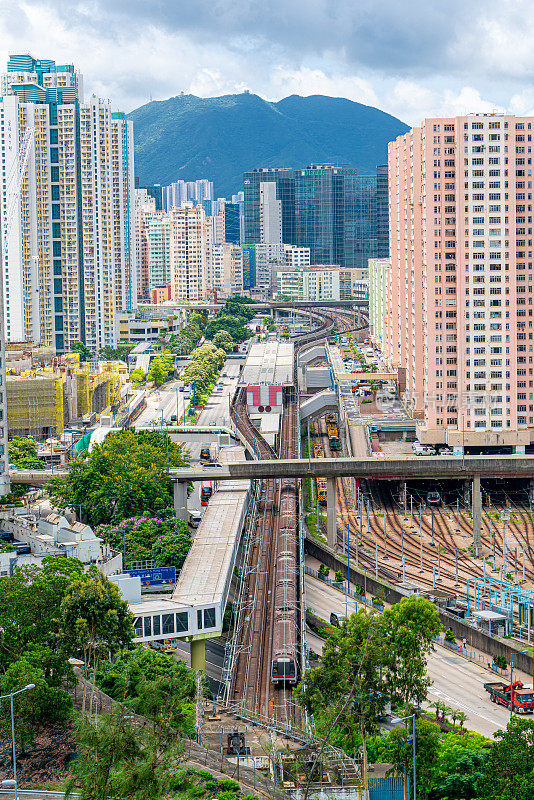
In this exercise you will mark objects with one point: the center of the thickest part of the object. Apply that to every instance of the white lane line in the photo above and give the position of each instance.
(439, 693)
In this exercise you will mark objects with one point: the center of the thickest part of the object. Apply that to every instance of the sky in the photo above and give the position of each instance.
(413, 59)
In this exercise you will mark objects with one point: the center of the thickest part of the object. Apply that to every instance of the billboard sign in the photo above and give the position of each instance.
(154, 576)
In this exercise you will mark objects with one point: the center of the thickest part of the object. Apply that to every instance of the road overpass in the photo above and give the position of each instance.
(472, 468)
(373, 468)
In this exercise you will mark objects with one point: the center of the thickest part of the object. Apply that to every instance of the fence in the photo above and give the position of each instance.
(340, 586)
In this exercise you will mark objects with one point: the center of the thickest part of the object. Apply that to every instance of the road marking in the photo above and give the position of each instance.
(439, 693)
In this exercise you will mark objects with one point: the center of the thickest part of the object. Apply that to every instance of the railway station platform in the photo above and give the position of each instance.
(195, 611)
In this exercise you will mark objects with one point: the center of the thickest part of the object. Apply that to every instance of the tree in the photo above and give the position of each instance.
(161, 368)
(119, 353)
(153, 684)
(22, 452)
(370, 660)
(138, 376)
(95, 618)
(459, 769)
(397, 748)
(83, 351)
(509, 767)
(43, 705)
(223, 340)
(167, 541)
(125, 476)
(119, 758)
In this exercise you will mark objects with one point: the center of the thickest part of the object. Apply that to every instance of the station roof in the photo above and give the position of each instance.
(490, 616)
(206, 573)
(269, 364)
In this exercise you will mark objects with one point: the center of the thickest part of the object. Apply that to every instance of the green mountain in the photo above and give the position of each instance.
(219, 138)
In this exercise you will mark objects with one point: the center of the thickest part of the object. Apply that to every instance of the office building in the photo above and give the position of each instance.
(190, 252)
(340, 216)
(67, 209)
(460, 283)
(378, 292)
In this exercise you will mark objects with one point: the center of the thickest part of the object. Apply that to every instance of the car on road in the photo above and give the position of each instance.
(446, 451)
(433, 498)
(337, 620)
(223, 375)
(424, 451)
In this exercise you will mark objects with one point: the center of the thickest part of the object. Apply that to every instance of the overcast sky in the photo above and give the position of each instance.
(411, 58)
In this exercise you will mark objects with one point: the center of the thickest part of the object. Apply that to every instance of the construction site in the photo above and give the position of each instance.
(45, 393)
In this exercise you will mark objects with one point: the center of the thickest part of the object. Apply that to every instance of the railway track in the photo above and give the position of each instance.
(263, 630)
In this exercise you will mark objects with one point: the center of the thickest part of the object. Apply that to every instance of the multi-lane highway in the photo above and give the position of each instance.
(456, 681)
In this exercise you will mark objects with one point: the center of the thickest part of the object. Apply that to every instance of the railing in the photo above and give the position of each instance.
(469, 653)
(339, 585)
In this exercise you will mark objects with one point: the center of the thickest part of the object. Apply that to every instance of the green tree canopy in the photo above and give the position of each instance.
(161, 368)
(120, 758)
(23, 453)
(373, 658)
(125, 476)
(119, 353)
(83, 351)
(223, 340)
(509, 768)
(95, 618)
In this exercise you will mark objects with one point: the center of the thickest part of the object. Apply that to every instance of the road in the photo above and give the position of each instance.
(460, 684)
(455, 681)
(168, 401)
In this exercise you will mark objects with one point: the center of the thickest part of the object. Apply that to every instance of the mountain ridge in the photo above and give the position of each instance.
(219, 138)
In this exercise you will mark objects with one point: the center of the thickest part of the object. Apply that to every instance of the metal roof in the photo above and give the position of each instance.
(206, 574)
(269, 364)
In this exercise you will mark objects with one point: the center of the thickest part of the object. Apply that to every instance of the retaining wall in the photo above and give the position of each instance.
(492, 645)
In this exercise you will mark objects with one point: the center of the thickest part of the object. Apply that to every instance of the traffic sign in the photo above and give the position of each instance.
(154, 576)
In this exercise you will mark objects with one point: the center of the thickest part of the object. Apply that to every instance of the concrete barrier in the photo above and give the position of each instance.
(480, 640)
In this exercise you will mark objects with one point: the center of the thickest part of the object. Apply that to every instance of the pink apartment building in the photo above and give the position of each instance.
(459, 295)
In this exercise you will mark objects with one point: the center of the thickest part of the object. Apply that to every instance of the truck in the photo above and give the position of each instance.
(523, 697)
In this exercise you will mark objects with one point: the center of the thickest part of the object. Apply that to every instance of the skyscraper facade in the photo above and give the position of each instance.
(340, 216)
(190, 251)
(67, 208)
(459, 305)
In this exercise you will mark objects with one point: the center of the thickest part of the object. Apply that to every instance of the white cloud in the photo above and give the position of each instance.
(131, 55)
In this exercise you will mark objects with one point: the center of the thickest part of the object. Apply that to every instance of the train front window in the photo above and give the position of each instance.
(285, 668)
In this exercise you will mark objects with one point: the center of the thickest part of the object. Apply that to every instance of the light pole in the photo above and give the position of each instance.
(11, 695)
(413, 737)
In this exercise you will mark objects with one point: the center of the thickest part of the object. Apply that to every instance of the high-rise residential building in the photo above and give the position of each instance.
(145, 207)
(226, 269)
(339, 215)
(459, 288)
(190, 251)
(67, 208)
(159, 251)
(378, 293)
(186, 191)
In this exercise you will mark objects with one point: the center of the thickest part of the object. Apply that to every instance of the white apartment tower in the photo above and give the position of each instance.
(190, 252)
(67, 208)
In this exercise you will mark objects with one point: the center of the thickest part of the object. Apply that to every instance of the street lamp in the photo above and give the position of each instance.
(403, 719)
(11, 695)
